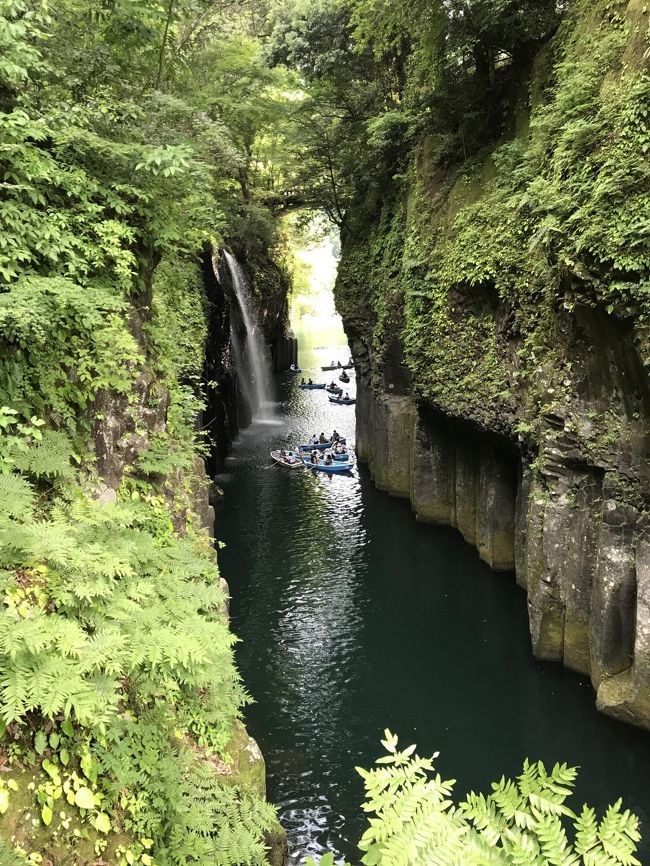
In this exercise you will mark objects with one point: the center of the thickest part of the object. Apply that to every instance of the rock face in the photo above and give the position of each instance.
(583, 560)
(227, 409)
(503, 379)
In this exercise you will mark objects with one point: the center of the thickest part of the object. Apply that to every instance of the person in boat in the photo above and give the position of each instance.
(314, 456)
(322, 439)
(339, 448)
(350, 362)
(310, 382)
(346, 396)
(338, 363)
(335, 436)
(293, 368)
(328, 458)
(302, 381)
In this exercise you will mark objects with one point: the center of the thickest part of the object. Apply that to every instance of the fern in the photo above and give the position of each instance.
(523, 822)
(48, 458)
(16, 497)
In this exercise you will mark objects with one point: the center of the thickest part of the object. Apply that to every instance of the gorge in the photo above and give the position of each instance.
(482, 168)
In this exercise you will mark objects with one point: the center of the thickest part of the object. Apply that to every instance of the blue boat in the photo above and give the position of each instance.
(342, 401)
(293, 370)
(341, 457)
(335, 390)
(308, 387)
(337, 466)
(321, 446)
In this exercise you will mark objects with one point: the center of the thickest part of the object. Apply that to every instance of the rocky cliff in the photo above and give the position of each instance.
(228, 409)
(503, 357)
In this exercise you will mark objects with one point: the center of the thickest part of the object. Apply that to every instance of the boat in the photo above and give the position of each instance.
(321, 446)
(334, 390)
(296, 463)
(341, 457)
(344, 378)
(338, 367)
(313, 386)
(293, 370)
(336, 466)
(342, 401)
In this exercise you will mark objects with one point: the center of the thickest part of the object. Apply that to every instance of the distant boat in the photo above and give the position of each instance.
(342, 401)
(321, 446)
(293, 369)
(334, 389)
(344, 378)
(312, 387)
(339, 367)
(291, 460)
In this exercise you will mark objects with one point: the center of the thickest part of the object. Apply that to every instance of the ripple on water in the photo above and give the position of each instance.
(354, 617)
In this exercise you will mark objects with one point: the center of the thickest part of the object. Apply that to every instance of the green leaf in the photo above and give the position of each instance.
(46, 815)
(4, 801)
(102, 822)
(84, 798)
(40, 742)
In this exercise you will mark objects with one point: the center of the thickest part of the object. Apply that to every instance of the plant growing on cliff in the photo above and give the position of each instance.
(115, 655)
(523, 822)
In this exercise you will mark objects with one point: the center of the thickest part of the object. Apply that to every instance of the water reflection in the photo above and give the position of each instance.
(355, 617)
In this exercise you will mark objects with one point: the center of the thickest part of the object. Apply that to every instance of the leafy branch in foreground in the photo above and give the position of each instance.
(523, 822)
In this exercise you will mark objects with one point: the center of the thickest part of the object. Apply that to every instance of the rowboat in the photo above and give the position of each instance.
(293, 370)
(341, 457)
(334, 390)
(337, 466)
(338, 367)
(307, 387)
(320, 446)
(342, 401)
(291, 460)
(344, 377)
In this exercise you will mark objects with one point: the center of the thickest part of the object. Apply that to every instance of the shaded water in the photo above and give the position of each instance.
(251, 354)
(354, 618)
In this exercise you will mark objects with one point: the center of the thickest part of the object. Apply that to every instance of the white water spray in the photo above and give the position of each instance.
(251, 356)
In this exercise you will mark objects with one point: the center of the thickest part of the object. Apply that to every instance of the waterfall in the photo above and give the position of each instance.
(251, 354)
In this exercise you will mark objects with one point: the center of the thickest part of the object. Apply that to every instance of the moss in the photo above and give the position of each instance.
(70, 831)
(484, 271)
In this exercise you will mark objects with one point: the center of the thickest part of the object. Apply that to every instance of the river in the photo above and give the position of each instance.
(354, 617)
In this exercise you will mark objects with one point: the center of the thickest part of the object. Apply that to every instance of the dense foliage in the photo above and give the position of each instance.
(492, 243)
(415, 821)
(128, 140)
(132, 134)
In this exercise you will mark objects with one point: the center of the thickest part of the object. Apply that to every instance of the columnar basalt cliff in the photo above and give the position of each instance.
(503, 357)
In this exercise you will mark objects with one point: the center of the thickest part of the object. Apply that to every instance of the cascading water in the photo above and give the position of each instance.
(251, 354)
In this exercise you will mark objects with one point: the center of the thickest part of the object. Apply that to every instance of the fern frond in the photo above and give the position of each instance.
(49, 458)
(16, 497)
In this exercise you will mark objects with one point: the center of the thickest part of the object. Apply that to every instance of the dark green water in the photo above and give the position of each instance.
(354, 618)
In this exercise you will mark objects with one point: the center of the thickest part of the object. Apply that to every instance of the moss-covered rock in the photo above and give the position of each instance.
(504, 301)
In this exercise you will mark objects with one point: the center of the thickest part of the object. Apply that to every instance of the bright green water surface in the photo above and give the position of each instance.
(354, 618)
